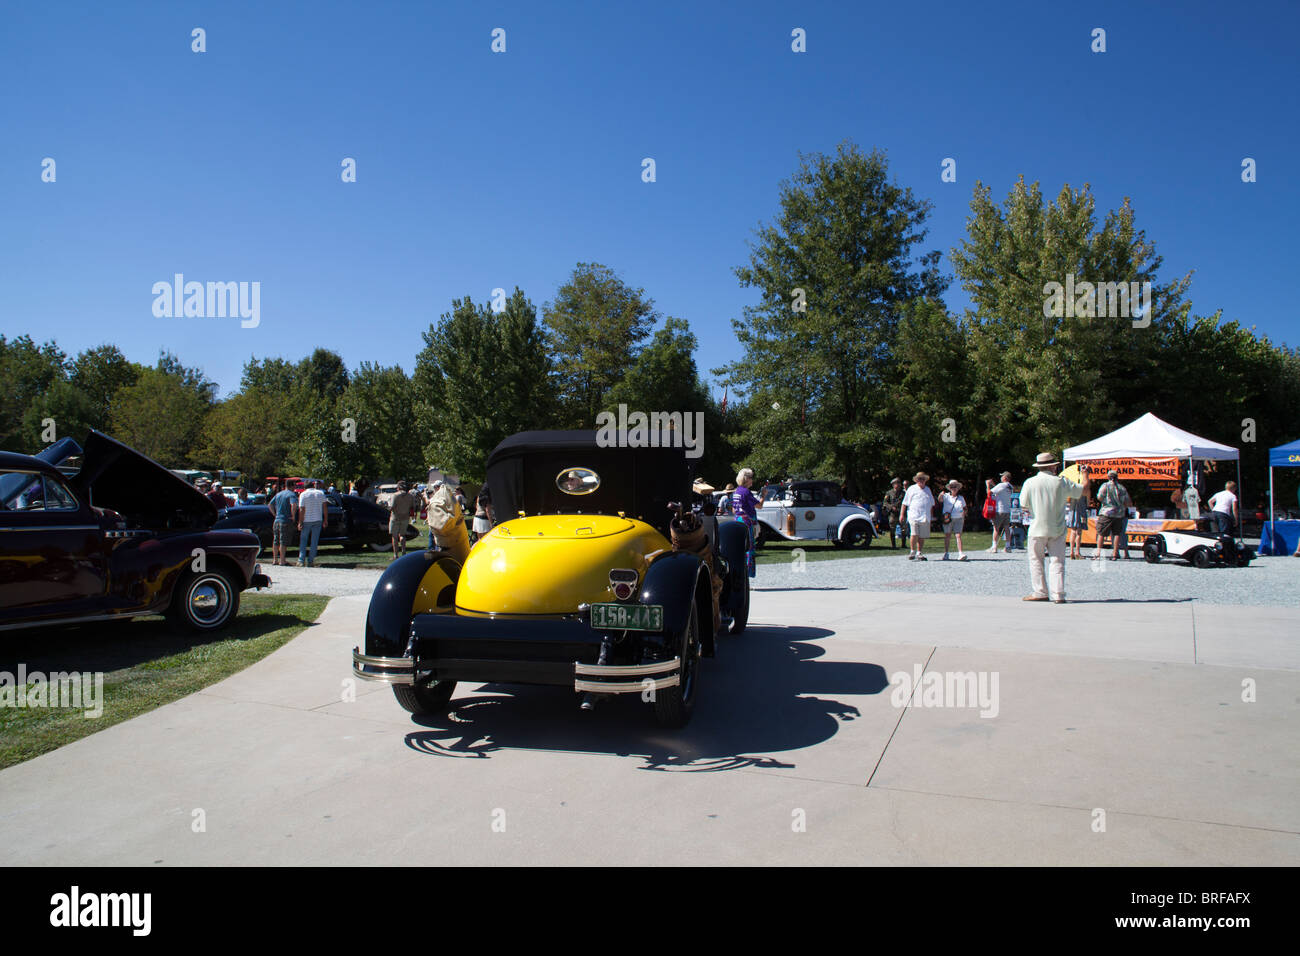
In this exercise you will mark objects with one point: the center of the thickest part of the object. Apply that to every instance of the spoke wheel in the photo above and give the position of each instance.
(674, 705)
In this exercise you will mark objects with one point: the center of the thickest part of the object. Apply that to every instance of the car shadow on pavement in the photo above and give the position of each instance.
(765, 693)
(113, 645)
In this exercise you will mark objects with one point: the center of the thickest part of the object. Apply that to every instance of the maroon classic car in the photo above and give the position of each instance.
(118, 537)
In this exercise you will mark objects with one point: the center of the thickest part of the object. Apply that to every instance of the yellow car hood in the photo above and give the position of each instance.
(550, 564)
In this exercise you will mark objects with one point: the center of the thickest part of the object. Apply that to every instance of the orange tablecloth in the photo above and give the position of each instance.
(1139, 528)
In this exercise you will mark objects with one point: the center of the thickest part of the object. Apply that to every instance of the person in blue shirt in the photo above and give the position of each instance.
(284, 506)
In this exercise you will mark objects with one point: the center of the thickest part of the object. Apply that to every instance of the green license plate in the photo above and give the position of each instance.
(627, 617)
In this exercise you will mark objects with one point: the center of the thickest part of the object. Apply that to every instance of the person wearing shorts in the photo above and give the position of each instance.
(1001, 493)
(284, 507)
(954, 518)
(1113, 502)
(918, 506)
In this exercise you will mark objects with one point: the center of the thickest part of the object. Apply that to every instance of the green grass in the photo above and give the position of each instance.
(146, 663)
(782, 552)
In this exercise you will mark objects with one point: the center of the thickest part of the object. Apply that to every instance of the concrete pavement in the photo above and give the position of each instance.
(800, 752)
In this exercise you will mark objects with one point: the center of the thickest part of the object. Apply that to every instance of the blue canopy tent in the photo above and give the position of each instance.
(1283, 456)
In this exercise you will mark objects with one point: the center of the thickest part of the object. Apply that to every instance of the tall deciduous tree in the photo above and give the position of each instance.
(595, 327)
(163, 413)
(99, 373)
(1047, 381)
(835, 271)
(27, 371)
(481, 377)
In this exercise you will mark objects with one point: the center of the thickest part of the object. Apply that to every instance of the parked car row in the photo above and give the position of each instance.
(354, 523)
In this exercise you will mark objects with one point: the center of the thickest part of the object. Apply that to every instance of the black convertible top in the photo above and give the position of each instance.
(522, 473)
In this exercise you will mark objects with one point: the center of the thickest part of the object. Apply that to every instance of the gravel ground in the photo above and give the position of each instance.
(332, 582)
(1267, 581)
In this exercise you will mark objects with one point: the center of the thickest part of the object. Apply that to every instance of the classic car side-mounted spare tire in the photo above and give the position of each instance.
(204, 601)
(429, 698)
(674, 705)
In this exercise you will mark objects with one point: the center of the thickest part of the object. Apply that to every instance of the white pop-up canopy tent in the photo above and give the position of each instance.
(1150, 437)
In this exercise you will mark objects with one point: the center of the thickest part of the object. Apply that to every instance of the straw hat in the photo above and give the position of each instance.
(1045, 460)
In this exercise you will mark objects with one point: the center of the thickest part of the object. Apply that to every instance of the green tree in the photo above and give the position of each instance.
(379, 407)
(27, 371)
(162, 414)
(481, 377)
(835, 271)
(66, 407)
(1048, 381)
(595, 327)
(99, 373)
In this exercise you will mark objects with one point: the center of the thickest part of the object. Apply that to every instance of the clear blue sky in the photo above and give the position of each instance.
(478, 170)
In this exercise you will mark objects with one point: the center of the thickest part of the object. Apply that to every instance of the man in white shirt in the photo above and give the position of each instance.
(1224, 509)
(313, 516)
(1002, 494)
(918, 506)
(1044, 497)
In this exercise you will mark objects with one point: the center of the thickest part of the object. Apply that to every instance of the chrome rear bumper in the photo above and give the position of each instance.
(626, 679)
(390, 670)
(590, 678)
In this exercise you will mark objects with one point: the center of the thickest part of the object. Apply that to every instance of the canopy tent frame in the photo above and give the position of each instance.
(1149, 438)
(1274, 454)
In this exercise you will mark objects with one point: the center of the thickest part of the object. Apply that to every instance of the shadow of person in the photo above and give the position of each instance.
(765, 694)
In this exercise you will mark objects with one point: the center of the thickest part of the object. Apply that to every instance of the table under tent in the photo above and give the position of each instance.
(1280, 537)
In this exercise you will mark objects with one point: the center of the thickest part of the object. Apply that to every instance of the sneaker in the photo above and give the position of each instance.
(921, 557)
(992, 550)
(945, 555)
(911, 557)
(1059, 600)
(964, 558)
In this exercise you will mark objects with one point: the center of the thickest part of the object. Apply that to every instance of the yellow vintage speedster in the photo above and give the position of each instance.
(590, 587)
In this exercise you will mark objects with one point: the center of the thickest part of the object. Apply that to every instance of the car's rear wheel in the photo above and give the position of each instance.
(1153, 549)
(674, 705)
(1201, 558)
(741, 615)
(425, 699)
(857, 535)
(205, 601)
(386, 546)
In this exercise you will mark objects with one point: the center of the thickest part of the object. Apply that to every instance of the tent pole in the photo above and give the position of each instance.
(1241, 498)
(1272, 511)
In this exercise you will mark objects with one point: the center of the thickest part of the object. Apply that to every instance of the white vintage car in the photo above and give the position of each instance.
(815, 511)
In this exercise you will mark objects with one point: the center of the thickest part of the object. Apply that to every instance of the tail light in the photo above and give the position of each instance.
(623, 582)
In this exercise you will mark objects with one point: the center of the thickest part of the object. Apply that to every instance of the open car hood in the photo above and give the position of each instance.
(118, 477)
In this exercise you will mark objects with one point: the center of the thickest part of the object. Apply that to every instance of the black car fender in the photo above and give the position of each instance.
(676, 580)
(388, 620)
